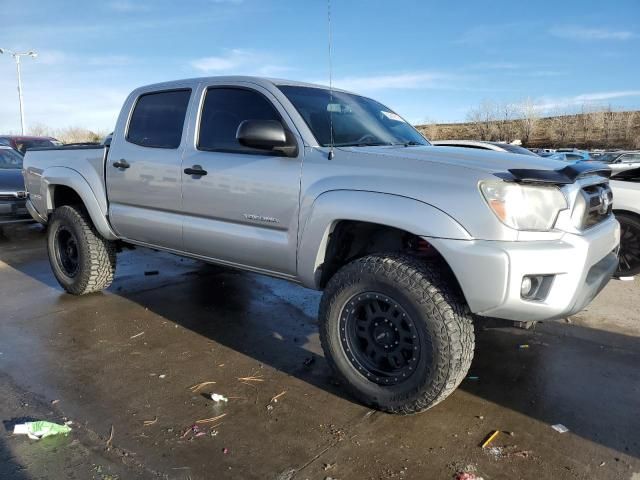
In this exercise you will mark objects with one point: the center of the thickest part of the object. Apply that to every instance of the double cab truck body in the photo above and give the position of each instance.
(336, 192)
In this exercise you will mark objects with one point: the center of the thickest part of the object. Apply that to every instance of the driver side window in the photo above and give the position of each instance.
(224, 109)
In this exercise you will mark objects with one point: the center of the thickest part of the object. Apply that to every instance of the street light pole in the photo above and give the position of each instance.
(16, 56)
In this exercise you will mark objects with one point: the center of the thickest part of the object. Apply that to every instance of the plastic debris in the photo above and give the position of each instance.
(225, 450)
(40, 429)
(216, 397)
(558, 427)
(162, 376)
(492, 436)
(626, 279)
(467, 476)
(523, 346)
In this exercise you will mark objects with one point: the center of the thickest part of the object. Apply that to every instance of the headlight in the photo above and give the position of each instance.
(524, 207)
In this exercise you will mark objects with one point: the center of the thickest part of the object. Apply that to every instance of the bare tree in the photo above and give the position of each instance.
(605, 121)
(430, 129)
(528, 118)
(68, 134)
(482, 120)
(505, 126)
(40, 130)
(561, 128)
(586, 124)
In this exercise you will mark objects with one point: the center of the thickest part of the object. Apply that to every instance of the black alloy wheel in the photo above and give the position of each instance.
(629, 254)
(66, 251)
(379, 338)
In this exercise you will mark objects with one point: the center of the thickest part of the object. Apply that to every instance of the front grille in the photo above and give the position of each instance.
(598, 204)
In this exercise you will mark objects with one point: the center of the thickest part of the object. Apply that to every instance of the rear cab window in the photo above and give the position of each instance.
(158, 119)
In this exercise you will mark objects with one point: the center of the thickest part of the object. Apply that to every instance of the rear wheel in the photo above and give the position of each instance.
(396, 332)
(82, 261)
(629, 245)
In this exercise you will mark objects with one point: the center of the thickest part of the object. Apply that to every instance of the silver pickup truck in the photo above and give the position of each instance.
(334, 191)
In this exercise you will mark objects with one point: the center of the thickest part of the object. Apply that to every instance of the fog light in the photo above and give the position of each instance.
(530, 287)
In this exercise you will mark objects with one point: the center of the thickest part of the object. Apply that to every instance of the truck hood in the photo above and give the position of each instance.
(487, 161)
(11, 180)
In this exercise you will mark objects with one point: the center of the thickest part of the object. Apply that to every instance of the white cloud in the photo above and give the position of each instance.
(576, 32)
(403, 81)
(240, 62)
(566, 103)
(62, 95)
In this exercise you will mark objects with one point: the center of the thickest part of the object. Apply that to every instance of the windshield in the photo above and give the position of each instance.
(516, 149)
(608, 157)
(9, 159)
(24, 145)
(356, 121)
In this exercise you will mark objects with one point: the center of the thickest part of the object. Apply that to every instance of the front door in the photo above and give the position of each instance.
(144, 173)
(240, 204)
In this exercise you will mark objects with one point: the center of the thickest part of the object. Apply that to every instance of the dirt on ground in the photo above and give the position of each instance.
(133, 369)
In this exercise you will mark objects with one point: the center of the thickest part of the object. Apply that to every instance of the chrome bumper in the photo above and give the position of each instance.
(490, 273)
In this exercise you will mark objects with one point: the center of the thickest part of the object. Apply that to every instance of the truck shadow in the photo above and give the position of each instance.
(587, 380)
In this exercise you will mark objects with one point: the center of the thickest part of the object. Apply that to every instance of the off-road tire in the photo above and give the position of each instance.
(96, 256)
(629, 245)
(430, 295)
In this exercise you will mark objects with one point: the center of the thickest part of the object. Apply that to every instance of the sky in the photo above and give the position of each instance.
(429, 61)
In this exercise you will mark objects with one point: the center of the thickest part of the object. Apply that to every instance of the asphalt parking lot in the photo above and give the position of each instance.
(120, 365)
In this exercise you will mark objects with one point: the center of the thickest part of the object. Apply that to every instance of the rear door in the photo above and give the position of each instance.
(244, 209)
(630, 159)
(143, 171)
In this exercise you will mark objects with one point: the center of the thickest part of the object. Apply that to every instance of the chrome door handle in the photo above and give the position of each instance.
(196, 170)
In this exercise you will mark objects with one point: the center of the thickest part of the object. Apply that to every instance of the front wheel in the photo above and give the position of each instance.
(629, 245)
(396, 332)
(82, 261)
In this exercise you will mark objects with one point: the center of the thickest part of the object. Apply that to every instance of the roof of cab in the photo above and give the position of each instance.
(262, 81)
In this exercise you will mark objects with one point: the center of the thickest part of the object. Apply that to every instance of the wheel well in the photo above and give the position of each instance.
(63, 195)
(351, 239)
(627, 212)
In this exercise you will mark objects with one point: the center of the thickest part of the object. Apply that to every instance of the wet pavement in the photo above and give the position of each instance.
(120, 365)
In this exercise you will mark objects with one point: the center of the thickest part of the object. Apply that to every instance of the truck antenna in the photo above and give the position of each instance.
(331, 142)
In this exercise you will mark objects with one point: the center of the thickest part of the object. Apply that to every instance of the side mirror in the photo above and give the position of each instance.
(267, 135)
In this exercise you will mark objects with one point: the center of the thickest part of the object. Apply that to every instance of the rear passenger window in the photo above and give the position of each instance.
(224, 110)
(158, 119)
(631, 158)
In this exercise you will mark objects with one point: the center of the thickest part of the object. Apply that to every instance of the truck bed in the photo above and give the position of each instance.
(88, 161)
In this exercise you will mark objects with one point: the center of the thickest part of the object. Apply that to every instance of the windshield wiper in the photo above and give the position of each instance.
(365, 144)
(412, 143)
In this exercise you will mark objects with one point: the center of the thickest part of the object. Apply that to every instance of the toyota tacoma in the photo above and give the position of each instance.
(409, 242)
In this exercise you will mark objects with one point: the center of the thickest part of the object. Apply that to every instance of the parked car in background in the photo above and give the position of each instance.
(571, 156)
(626, 207)
(22, 143)
(12, 192)
(621, 160)
(483, 145)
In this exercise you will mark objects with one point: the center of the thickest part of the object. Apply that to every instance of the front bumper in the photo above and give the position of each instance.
(490, 273)
(13, 211)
